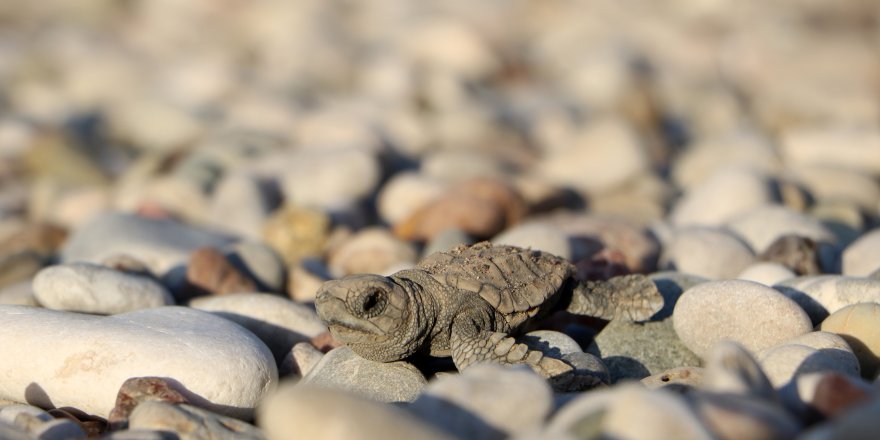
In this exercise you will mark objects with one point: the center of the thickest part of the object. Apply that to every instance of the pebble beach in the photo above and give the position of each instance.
(179, 179)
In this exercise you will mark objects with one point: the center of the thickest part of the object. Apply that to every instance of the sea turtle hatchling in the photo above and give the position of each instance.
(468, 302)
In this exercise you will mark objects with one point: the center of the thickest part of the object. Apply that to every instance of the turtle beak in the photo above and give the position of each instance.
(334, 312)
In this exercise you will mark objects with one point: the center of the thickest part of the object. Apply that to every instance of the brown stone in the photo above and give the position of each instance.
(209, 271)
(478, 207)
(138, 390)
(325, 342)
(800, 254)
(297, 233)
(835, 394)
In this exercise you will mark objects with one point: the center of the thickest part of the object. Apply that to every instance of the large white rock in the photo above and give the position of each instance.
(90, 288)
(55, 359)
(160, 243)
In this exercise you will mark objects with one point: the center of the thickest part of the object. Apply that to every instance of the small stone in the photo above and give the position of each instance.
(297, 233)
(305, 278)
(638, 350)
(301, 359)
(735, 416)
(86, 287)
(829, 184)
(446, 241)
(188, 421)
(296, 411)
(639, 248)
(259, 262)
(539, 236)
(239, 206)
(752, 314)
(731, 369)
(741, 149)
(85, 359)
(860, 422)
(405, 193)
(480, 207)
(856, 149)
(821, 295)
(486, 401)
(859, 325)
(329, 179)
(456, 165)
(862, 256)
(799, 254)
(766, 273)
(161, 243)
(761, 226)
(835, 394)
(726, 194)
(371, 250)
(688, 377)
(707, 252)
(277, 321)
(660, 414)
(137, 390)
(210, 272)
(784, 363)
(342, 369)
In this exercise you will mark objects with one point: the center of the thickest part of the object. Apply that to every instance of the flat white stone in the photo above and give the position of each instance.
(51, 358)
(90, 288)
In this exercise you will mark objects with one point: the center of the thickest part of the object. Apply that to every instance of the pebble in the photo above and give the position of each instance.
(312, 412)
(279, 322)
(86, 364)
(859, 325)
(405, 193)
(239, 206)
(862, 257)
(301, 359)
(639, 248)
(446, 241)
(766, 273)
(209, 272)
(329, 179)
(297, 233)
(160, 243)
(305, 278)
(734, 416)
(725, 195)
(21, 294)
(342, 369)
(562, 346)
(800, 254)
(90, 288)
(599, 157)
(188, 421)
(137, 390)
(824, 294)
(762, 226)
(638, 350)
(707, 252)
(741, 149)
(371, 250)
(856, 149)
(259, 262)
(671, 285)
(660, 414)
(732, 309)
(731, 369)
(682, 377)
(831, 394)
(486, 401)
(784, 363)
(479, 207)
(540, 236)
(834, 184)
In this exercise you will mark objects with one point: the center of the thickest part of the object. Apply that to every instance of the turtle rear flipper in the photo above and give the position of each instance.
(471, 347)
(630, 297)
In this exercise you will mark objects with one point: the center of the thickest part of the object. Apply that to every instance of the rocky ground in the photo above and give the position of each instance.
(177, 179)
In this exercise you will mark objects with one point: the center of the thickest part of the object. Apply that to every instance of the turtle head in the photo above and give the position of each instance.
(371, 314)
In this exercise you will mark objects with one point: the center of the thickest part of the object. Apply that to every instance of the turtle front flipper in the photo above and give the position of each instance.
(631, 297)
(471, 346)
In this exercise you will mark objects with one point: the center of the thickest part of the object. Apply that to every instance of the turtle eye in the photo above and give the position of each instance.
(373, 302)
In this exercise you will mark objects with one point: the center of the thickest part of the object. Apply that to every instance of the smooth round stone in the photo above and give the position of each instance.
(239, 206)
(540, 236)
(659, 414)
(371, 250)
(259, 261)
(458, 165)
(825, 294)
(752, 314)
(188, 421)
(446, 241)
(599, 157)
(329, 179)
(822, 340)
(279, 322)
(84, 359)
(639, 247)
(726, 194)
(342, 369)
(731, 369)
(638, 350)
(297, 233)
(90, 288)
(743, 150)
(762, 226)
(766, 273)
(706, 252)
(862, 257)
(832, 184)
(734, 416)
(305, 278)
(295, 411)
(404, 193)
(160, 243)
(556, 342)
(486, 401)
(857, 149)
(784, 363)
(300, 360)
(859, 325)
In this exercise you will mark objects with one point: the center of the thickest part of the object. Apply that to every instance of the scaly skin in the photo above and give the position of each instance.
(468, 302)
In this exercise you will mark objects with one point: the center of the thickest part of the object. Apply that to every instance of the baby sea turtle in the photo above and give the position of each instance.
(468, 302)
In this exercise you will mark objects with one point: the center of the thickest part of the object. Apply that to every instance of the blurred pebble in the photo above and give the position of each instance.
(822, 295)
(732, 309)
(209, 272)
(137, 390)
(728, 193)
(859, 325)
(329, 179)
(300, 360)
(857, 149)
(371, 250)
(342, 369)
(405, 193)
(784, 363)
(707, 252)
(766, 273)
(90, 288)
(189, 422)
(862, 256)
(238, 206)
(687, 377)
(297, 233)
(762, 226)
